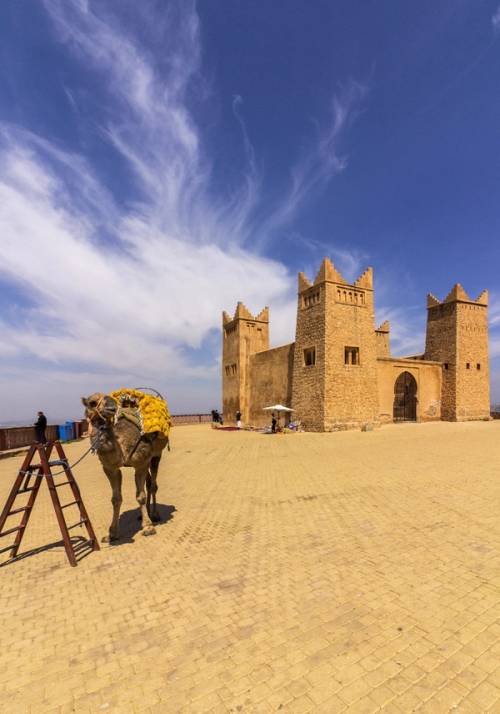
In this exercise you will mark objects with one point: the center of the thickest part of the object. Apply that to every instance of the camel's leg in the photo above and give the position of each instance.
(152, 485)
(115, 479)
(140, 492)
(148, 493)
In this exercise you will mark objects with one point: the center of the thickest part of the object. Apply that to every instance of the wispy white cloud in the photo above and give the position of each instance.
(495, 20)
(494, 310)
(141, 304)
(407, 328)
(128, 293)
(321, 161)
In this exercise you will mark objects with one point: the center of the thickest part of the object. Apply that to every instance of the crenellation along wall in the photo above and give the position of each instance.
(270, 382)
(428, 376)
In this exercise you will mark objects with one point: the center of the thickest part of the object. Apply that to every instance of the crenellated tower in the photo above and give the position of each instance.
(335, 363)
(242, 335)
(457, 336)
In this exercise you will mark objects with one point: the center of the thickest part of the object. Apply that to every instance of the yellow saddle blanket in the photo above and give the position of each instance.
(153, 411)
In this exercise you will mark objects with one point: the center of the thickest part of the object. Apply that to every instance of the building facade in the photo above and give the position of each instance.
(340, 374)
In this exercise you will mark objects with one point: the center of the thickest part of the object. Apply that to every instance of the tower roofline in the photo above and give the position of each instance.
(243, 313)
(328, 273)
(457, 294)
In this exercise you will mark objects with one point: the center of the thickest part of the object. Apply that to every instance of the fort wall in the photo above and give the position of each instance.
(340, 374)
(428, 376)
(270, 379)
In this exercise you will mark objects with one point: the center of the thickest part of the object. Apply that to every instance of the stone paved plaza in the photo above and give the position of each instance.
(355, 572)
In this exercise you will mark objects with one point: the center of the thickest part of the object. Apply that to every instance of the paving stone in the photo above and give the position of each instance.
(311, 572)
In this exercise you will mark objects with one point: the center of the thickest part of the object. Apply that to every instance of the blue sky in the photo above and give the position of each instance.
(162, 160)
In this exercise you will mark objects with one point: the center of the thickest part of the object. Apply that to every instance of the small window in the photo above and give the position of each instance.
(310, 357)
(233, 368)
(467, 366)
(351, 355)
(478, 366)
(446, 365)
(228, 370)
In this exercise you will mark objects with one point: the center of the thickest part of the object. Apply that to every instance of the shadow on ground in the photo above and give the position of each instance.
(81, 548)
(130, 522)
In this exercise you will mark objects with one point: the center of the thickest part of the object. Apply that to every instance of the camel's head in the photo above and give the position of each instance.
(99, 408)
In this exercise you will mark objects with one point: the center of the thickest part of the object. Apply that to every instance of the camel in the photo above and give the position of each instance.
(118, 442)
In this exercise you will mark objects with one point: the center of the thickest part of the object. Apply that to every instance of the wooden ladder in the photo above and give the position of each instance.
(24, 484)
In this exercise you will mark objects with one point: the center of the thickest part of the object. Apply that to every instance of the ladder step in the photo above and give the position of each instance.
(80, 523)
(81, 545)
(18, 510)
(67, 505)
(58, 485)
(11, 530)
(25, 490)
(9, 547)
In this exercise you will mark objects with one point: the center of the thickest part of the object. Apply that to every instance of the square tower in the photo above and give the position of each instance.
(335, 364)
(457, 336)
(242, 336)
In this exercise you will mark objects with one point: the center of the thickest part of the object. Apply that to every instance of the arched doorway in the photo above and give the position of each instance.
(405, 398)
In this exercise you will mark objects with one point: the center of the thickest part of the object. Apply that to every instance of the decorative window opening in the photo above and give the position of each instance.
(467, 366)
(446, 365)
(478, 366)
(311, 299)
(351, 355)
(310, 357)
(233, 369)
(228, 370)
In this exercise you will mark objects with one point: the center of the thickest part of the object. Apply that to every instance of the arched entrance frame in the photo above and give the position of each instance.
(405, 405)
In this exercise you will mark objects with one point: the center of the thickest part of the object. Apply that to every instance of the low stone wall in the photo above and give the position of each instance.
(179, 419)
(16, 437)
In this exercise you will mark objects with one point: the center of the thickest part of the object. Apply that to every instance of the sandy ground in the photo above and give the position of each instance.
(295, 573)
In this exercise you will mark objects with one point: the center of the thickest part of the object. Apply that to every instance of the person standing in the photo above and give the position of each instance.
(273, 424)
(40, 426)
(238, 419)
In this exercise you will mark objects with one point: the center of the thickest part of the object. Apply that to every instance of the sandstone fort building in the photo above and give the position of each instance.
(340, 373)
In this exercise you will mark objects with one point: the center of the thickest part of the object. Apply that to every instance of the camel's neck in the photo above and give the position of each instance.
(103, 438)
(116, 441)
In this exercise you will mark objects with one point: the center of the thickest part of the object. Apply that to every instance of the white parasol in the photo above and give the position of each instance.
(277, 408)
